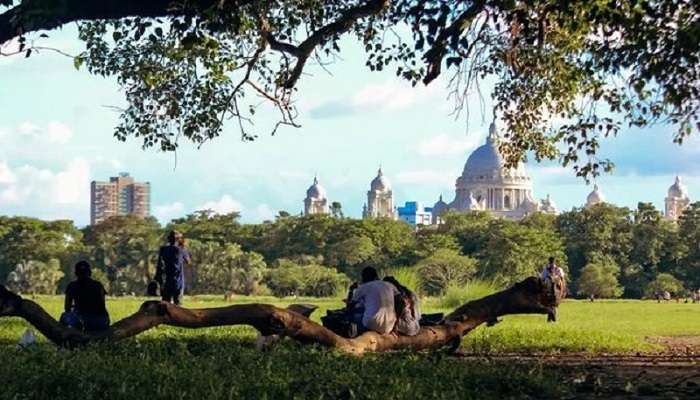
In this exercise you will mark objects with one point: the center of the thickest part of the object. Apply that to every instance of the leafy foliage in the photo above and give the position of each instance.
(304, 280)
(35, 277)
(186, 68)
(227, 268)
(599, 279)
(665, 283)
(444, 268)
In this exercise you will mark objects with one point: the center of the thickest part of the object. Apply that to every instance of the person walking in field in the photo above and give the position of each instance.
(84, 306)
(170, 269)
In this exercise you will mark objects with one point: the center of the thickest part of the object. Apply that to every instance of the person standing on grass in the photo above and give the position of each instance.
(170, 269)
(84, 307)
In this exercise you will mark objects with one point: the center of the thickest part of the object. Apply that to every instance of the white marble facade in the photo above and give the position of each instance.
(486, 184)
(380, 199)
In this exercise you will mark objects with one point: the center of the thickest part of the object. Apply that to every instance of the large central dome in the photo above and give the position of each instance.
(485, 160)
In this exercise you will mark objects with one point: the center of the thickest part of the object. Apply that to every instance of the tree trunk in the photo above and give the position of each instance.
(532, 295)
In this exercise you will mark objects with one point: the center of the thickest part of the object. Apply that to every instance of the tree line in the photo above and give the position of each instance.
(607, 251)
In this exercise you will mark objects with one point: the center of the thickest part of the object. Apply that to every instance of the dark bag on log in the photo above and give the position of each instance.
(340, 322)
(431, 319)
(153, 289)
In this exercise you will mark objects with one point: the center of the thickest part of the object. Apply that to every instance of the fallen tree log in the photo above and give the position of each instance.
(531, 296)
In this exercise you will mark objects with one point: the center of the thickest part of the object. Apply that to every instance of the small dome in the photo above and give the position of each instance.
(548, 205)
(316, 191)
(440, 206)
(595, 197)
(380, 183)
(678, 189)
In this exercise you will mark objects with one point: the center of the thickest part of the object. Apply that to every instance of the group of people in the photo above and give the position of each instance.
(383, 306)
(84, 306)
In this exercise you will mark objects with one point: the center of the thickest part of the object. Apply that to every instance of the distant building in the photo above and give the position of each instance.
(487, 184)
(677, 200)
(380, 199)
(595, 197)
(316, 201)
(415, 214)
(120, 196)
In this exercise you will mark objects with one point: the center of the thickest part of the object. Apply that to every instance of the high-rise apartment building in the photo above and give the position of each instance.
(120, 196)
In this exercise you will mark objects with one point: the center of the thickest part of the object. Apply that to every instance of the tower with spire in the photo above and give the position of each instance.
(380, 198)
(316, 201)
(677, 200)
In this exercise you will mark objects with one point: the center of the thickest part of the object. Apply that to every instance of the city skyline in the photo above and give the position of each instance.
(52, 150)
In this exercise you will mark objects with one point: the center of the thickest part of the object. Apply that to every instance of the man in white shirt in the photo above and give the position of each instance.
(377, 299)
(552, 270)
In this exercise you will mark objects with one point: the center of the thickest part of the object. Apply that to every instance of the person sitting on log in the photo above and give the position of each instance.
(170, 273)
(85, 302)
(407, 309)
(376, 300)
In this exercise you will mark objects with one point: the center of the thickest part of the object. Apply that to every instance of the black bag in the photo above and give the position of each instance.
(340, 322)
(153, 289)
(431, 319)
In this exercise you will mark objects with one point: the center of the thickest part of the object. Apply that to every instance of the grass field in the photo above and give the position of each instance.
(222, 362)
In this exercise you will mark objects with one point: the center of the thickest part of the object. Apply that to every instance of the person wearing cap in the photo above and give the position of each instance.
(170, 269)
(84, 306)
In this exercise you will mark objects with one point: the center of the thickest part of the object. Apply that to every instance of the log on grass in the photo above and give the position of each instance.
(531, 296)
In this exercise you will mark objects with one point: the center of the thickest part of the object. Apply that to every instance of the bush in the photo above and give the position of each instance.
(599, 279)
(444, 268)
(664, 283)
(456, 295)
(305, 280)
(227, 268)
(407, 276)
(36, 277)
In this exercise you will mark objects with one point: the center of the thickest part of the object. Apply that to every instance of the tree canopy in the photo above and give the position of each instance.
(187, 67)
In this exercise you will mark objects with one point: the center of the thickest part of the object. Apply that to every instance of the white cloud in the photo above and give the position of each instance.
(444, 145)
(425, 177)
(392, 95)
(47, 193)
(264, 212)
(226, 204)
(6, 175)
(57, 132)
(167, 212)
(27, 128)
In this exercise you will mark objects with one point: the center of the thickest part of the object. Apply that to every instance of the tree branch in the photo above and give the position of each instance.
(303, 51)
(529, 296)
(34, 15)
(434, 56)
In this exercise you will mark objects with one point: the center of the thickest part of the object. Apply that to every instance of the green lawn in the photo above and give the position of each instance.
(221, 363)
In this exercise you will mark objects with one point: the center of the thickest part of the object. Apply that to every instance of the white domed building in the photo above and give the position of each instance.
(316, 201)
(380, 198)
(677, 200)
(487, 185)
(595, 197)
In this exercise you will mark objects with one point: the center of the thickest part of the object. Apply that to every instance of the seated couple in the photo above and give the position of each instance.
(383, 306)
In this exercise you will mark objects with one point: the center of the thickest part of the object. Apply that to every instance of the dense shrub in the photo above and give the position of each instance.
(444, 268)
(456, 295)
(664, 283)
(35, 277)
(304, 280)
(227, 268)
(599, 279)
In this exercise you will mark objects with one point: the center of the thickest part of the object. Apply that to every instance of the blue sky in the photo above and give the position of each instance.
(56, 136)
